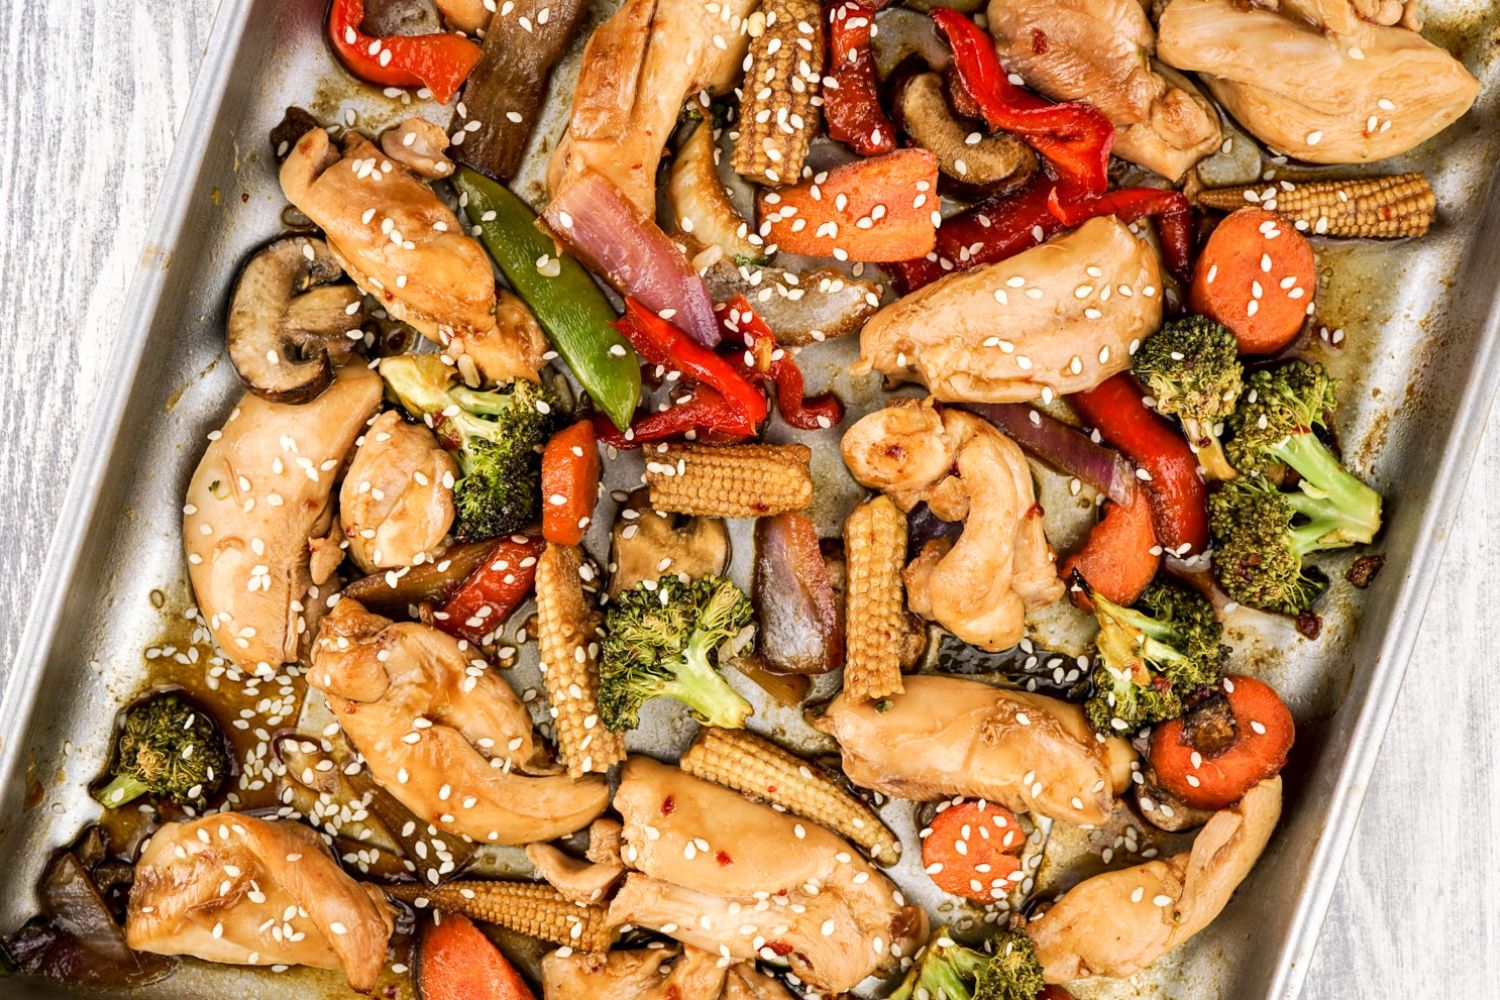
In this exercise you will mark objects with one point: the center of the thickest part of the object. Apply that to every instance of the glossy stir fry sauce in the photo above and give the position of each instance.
(334, 764)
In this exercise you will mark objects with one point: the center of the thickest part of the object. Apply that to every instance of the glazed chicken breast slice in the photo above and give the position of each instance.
(1316, 81)
(444, 734)
(1117, 923)
(396, 503)
(640, 974)
(981, 586)
(947, 736)
(1062, 316)
(742, 880)
(239, 890)
(402, 245)
(1099, 51)
(639, 68)
(259, 514)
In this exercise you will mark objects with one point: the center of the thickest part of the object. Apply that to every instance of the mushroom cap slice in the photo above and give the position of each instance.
(288, 323)
(992, 163)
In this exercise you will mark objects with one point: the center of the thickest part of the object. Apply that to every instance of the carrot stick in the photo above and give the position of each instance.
(1257, 276)
(1120, 556)
(570, 483)
(455, 961)
(972, 849)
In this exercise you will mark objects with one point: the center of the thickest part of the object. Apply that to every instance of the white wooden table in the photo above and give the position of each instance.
(91, 96)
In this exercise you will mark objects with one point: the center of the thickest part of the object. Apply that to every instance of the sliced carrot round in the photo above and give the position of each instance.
(1257, 276)
(1209, 759)
(455, 961)
(972, 849)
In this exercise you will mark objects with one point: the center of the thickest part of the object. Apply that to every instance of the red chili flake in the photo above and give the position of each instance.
(770, 789)
(668, 805)
(779, 947)
(723, 859)
(1038, 41)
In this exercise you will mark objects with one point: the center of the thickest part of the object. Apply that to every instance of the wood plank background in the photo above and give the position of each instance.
(91, 96)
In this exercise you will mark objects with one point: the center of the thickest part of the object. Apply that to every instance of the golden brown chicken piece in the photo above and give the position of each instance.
(1317, 81)
(639, 68)
(1099, 51)
(947, 736)
(644, 974)
(980, 587)
(1061, 316)
(746, 982)
(397, 499)
(1118, 923)
(258, 506)
(402, 245)
(741, 880)
(235, 889)
(582, 880)
(443, 733)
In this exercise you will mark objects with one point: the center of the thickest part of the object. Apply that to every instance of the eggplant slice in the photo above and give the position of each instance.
(288, 323)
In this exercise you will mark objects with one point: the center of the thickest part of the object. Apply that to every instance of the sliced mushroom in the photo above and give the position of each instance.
(701, 204)
(419, 145)
(648, 544)
(288, 323)
(987, 163)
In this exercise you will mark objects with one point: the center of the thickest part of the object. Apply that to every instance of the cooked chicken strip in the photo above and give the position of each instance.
(981, 587)
(258, 504)
(947, 736)
(639, 68)
(1063, 316)
(746, 982)
(401, 244)
(235, 889)
(1317, 81)
(1118, 923)
(739, 879)
(1099, 51)
(397, 499)
(443, 733)
(587, 880)
(633, 975)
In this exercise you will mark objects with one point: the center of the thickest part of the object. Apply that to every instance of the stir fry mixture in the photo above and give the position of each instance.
(875, 757)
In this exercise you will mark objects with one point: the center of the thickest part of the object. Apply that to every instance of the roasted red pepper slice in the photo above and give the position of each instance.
(661, 343)
(705, 412)
(1073, 137)
(440, 62)
(1116, 408)
(768, 360)
(987, 232)
(1170, 210)
(493, 591)
(851, 103)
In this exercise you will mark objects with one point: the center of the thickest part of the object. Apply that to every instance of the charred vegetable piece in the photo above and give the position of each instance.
(972, 849)
(875, 601)
(1192, 370)
(739, 759)
(570, 483)
(168, 748)
(1007, 970)
(440, 61)
(571, 309)
(801, 623)
(1065, 448)
(1225, 745)
(661, 639)
(394, 594)
(851, 101)
(993, 161)
(767, 360)
(489, 595)
(783, 76)
(735, 480)
(455, 961)
(701, 205)
(880, 209)
(1390, 207)
(507, 87)
(288, 323)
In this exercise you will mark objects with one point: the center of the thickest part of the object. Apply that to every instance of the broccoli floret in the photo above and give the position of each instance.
(660, 639)
(168, 748)
(1259, 546)
(1273, 430)
(494, 436)
(1152, 656)
(1009, 970)
(1191, 367)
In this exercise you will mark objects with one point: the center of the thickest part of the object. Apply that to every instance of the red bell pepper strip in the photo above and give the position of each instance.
(705, 412)
(851, 101)
(769, 361)
(493, 591)
(440, 62)
(1075, 138)
(661, 343)
(1116, 408)
(1170, 210)
(987, 232)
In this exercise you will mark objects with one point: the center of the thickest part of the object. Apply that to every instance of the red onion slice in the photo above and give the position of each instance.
(1065, 448)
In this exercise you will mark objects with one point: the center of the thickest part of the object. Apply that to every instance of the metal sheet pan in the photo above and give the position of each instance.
(1421, 353)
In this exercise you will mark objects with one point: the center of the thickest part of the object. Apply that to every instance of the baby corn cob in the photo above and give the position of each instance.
(747, 763)
(569, 651)
(1384, 207)
(530, 908)
(733, 480)
(782, 74)
(875, 604)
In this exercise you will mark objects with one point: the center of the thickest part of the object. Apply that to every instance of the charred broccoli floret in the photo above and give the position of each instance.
(494, 436)
(1259, 546)
(1152, 656)
(1009, 970)
(1192, 369)
(167, 748)
(660, 639)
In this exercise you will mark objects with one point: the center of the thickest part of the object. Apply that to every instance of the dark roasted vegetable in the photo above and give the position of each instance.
(168, 748)
(801, 624)
(1008, 970)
